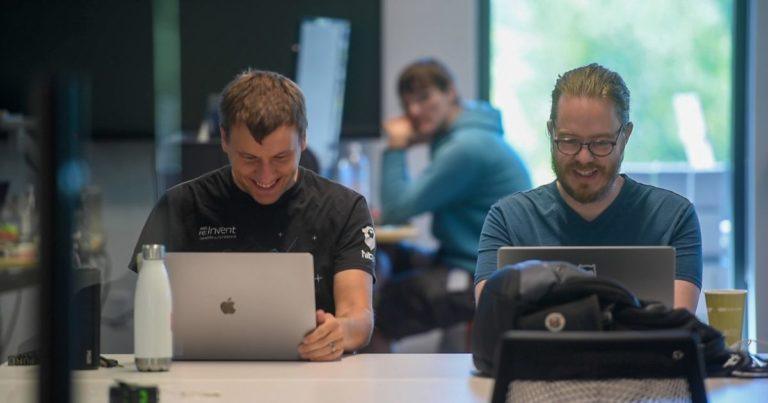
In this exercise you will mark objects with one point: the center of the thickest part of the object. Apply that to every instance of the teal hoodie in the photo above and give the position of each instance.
(472, 167)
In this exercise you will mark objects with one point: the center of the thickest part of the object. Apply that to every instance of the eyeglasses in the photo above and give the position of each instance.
(598, 148)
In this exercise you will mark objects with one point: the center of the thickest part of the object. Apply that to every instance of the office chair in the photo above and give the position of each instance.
(649, 366)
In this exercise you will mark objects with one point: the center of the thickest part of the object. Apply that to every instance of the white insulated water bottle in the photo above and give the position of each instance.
(152, 337)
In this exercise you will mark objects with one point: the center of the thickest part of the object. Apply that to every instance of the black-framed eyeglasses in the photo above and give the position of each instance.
(598, 148)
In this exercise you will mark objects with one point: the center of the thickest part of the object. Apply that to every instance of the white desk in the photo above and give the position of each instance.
(358, 378)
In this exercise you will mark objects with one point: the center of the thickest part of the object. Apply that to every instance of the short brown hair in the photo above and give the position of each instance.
(422, 74)
(263, 101)
(593, 81)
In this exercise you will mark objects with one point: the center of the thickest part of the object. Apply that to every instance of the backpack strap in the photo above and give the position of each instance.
(608, 291)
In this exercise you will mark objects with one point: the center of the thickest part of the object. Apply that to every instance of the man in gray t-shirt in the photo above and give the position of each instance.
(590, 203)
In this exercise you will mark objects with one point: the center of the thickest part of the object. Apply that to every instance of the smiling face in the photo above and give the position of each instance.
(430, 110)
(585, 177)
(264, 170)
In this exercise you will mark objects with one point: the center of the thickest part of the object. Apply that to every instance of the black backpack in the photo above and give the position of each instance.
(558, 296)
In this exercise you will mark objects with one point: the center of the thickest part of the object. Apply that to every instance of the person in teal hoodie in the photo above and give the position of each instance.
(471, 168)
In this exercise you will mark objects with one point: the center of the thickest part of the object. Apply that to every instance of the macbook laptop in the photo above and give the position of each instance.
(647, 271)
(240, 306)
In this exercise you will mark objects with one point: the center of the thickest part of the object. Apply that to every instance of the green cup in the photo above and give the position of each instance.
(725, 310)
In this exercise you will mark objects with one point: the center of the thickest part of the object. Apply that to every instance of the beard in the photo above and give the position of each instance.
(585, 194)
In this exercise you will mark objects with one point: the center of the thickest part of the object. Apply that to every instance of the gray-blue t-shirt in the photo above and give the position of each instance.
(640, 215)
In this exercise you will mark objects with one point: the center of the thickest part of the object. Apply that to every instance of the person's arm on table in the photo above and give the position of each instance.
(479, 290)
(350, 329)
(687, 243)
(351, 326)
(686, 295)
(493, 236)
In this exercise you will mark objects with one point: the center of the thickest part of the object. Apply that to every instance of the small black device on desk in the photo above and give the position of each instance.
(131, 393)
(28, 358)
(86, 305)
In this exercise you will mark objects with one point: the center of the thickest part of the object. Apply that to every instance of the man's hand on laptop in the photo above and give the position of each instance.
(326, 342)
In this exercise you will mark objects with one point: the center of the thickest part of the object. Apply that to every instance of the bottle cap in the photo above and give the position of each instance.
(153, 252)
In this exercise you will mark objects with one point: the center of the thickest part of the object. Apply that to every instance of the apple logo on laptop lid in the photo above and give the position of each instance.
(228, 306)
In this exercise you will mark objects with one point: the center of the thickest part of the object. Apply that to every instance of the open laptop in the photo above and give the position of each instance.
(240, 306)
(647, 271)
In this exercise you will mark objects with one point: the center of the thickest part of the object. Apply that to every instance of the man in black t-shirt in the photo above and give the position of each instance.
(264, 202)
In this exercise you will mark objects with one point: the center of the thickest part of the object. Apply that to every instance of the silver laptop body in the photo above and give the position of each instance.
(647, 271)
(240, 306)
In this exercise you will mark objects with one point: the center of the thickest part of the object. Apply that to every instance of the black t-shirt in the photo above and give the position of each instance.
(316, 215)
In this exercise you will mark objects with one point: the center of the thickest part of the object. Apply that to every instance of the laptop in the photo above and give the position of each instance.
(647, 271)
(240, 306)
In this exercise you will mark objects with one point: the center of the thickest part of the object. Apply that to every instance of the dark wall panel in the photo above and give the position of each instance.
(109, 41)
(219, 39)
